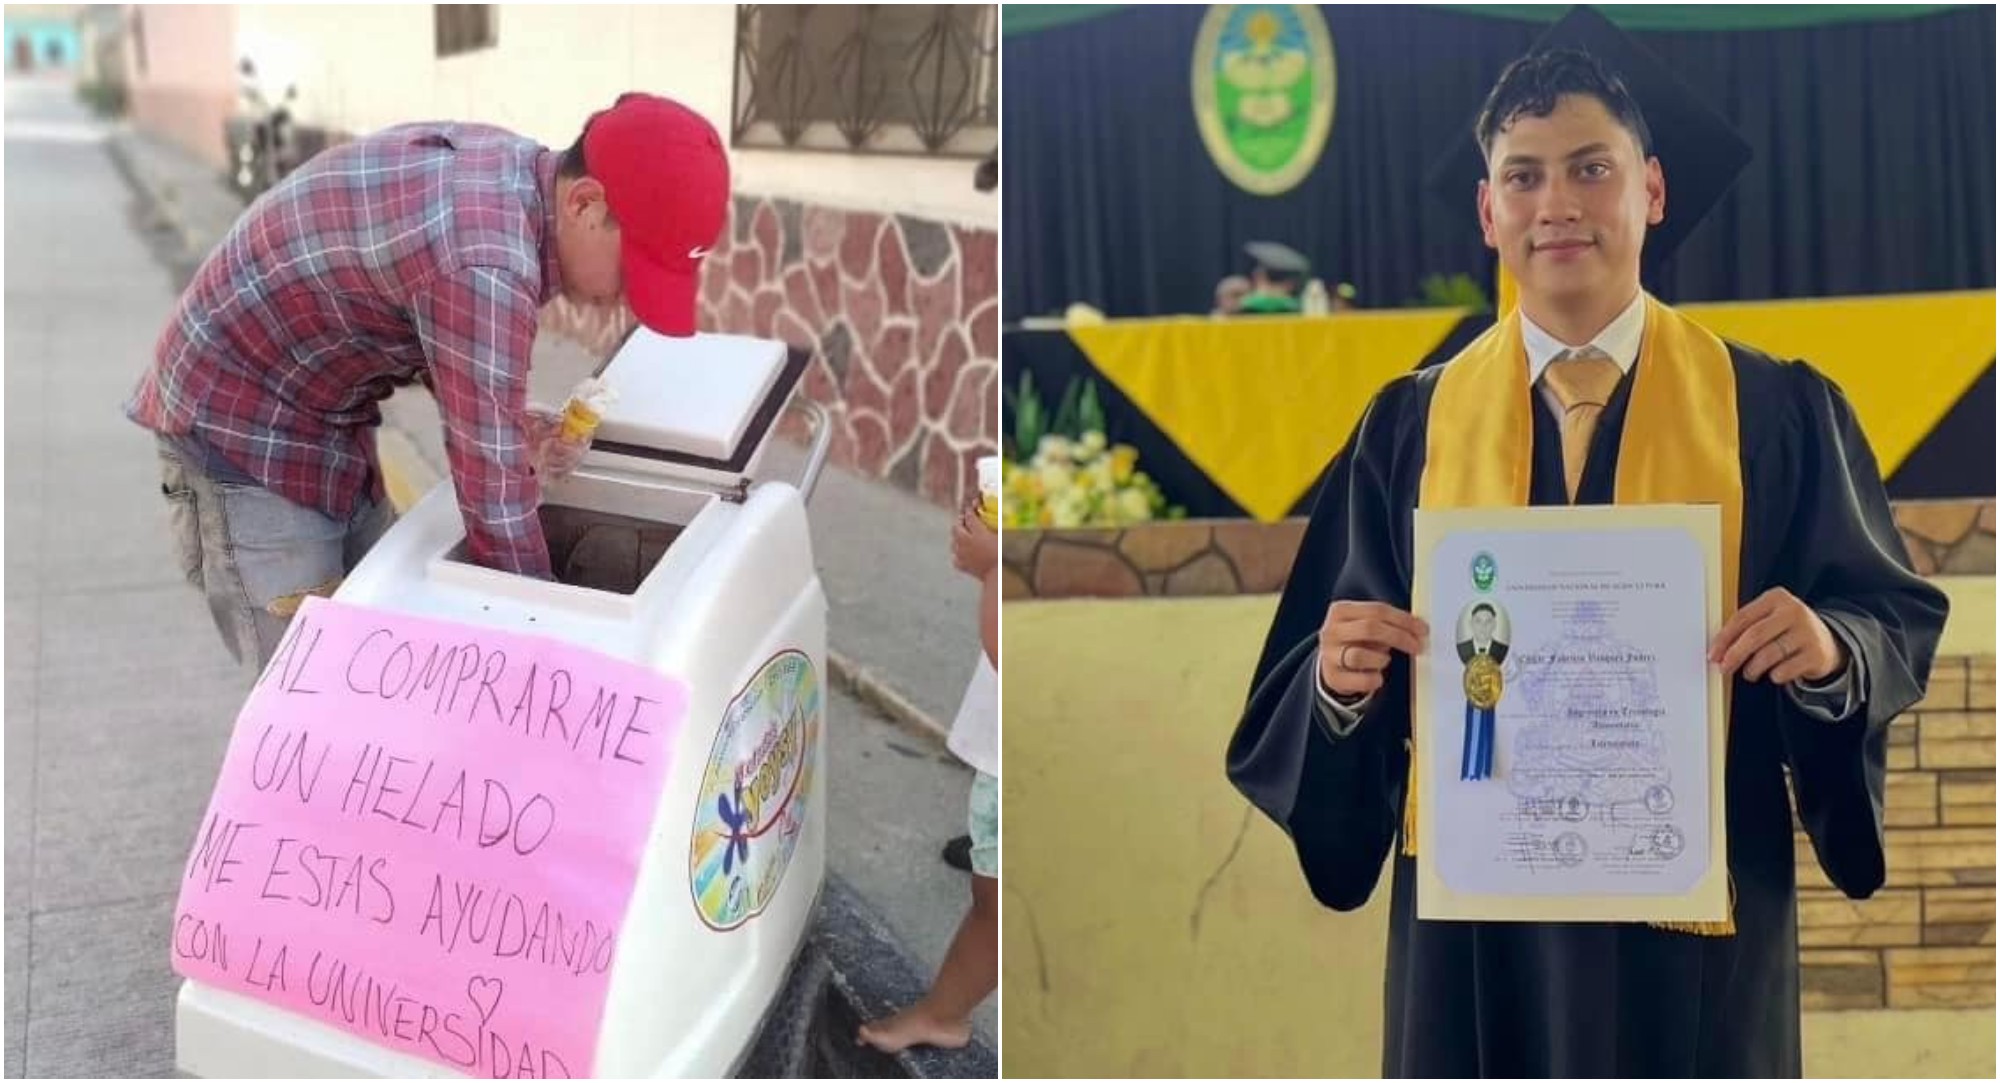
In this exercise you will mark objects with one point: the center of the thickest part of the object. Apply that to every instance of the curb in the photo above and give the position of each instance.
(872, 978)
(850, 971)
(158, 202)
(858, 682)
(408, 477)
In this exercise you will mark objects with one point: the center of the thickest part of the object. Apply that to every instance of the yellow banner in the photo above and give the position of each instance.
(1260, 405)
(1903, 360)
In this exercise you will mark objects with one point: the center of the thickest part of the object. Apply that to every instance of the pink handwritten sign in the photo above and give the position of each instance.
(427, 834)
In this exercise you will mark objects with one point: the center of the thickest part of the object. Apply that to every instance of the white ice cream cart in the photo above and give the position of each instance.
(668, 554)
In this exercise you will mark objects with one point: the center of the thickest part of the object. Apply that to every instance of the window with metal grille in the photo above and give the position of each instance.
(462, 28)
(919, 79)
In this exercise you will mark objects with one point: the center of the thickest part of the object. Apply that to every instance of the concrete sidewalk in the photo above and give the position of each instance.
(120, 698)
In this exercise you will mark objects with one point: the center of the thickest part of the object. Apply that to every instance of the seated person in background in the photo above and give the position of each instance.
(1276, 279)
(1083, 314)
(1229, 295)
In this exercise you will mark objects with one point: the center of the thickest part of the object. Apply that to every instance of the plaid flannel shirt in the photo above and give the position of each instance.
(421, 253)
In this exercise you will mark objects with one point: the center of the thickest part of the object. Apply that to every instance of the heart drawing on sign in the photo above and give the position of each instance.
(485, 993)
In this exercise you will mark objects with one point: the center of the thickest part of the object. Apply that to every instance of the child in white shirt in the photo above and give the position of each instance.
(971, 969)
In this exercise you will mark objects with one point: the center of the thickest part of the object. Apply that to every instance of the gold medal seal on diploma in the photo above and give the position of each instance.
(1483, 683)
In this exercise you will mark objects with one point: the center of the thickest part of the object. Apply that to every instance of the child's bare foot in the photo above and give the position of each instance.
(914, 1027)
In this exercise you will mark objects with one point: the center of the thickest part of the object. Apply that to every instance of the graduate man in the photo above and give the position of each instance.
(1593, 392)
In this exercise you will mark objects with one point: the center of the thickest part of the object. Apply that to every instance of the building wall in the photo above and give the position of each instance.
(547, 75)
(40, 34)
(1925, 941)
(1209, 557)
(101, 41)
(884, 266)
(186, 85)
(1159, 926)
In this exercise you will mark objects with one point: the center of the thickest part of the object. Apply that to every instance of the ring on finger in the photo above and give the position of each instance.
(1342, 661)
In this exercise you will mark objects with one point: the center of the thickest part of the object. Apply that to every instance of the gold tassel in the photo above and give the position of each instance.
(1410, 801)
(1725, 927)
(1684, 372)
(1699, 928)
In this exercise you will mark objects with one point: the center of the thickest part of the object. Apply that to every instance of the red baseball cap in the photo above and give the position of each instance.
(666, 177)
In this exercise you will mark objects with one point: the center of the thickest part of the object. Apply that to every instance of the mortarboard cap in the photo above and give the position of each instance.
(1699, 151)
(1273, 256)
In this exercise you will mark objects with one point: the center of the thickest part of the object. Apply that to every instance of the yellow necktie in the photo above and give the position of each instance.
(1582, 381)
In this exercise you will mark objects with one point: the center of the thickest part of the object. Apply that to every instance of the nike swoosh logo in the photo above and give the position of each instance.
(697, 252)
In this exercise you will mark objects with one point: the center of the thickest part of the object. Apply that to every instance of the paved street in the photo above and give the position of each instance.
(119, 696)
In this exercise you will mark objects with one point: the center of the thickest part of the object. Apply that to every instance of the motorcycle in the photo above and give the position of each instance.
(262, 140)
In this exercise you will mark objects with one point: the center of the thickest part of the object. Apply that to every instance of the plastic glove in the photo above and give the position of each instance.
(539, 423)
(552, 457)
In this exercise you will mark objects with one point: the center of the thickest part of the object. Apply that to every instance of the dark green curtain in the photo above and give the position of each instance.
(1874, 166)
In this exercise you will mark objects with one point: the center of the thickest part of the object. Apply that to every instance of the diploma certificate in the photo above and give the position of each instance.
(1568, 726)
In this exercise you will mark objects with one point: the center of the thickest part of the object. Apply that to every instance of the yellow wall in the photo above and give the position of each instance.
(1153, 924)
(1119, 830)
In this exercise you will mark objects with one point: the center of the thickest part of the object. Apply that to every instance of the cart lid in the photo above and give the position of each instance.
(700, 406)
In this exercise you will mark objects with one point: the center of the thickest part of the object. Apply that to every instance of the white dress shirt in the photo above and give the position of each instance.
(1620, 339)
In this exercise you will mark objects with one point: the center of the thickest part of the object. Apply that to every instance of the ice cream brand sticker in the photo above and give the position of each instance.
(752, 803)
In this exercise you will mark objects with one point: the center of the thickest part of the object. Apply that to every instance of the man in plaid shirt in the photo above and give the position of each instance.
(422, 253)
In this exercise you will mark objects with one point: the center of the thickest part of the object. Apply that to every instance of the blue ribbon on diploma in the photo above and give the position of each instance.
(1483, 684)
(1476, 761)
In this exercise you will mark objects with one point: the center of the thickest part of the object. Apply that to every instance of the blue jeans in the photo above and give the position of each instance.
(255, 555)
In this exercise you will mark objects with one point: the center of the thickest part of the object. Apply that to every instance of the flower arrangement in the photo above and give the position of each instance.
(1071, 475)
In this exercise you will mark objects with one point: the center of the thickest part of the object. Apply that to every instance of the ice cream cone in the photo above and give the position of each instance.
(989, 491)
(579, 421)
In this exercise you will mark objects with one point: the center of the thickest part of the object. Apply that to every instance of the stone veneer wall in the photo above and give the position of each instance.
(1201, 557)
(1925, 940)
(902, 317)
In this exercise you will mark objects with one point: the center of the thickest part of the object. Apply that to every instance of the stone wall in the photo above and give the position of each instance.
(1925, 940)
(901, 315)
(1195, 558)
(1204, 557)
(1948, 537)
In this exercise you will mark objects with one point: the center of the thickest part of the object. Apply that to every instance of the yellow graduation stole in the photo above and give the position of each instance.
(1679, 446)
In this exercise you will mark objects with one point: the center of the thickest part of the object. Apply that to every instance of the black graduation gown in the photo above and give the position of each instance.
(1505, 999)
